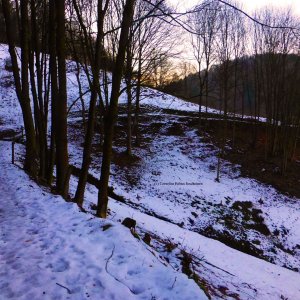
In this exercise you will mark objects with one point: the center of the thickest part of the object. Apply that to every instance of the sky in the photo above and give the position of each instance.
(249, 6)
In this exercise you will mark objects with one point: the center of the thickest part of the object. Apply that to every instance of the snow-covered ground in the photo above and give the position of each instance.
(10, 113)
(50, 250)
(172, 193)
(175, 179)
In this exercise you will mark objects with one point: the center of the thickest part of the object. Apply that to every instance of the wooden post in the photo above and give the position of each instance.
(13, 152)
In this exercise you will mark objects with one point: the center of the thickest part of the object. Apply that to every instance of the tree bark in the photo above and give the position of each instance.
(128, 79)
(22, 84)
(87, 151)
(110, 118)
(62, 159)
(54, 87)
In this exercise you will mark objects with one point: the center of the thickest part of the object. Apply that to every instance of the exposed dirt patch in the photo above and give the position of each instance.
(175, 129)
(124, 160)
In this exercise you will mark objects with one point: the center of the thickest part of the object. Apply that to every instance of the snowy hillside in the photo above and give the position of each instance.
(48, 249)
(239, 237)
(10, 113)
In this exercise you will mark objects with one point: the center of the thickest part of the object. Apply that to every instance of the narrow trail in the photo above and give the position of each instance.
(26, 238)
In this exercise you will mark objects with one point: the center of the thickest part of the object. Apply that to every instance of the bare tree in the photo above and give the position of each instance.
(61, 134)
(22, 83)
(111, 114)
(204, 24)
(95, 67)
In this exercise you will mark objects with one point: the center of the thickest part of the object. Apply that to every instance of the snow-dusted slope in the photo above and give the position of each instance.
(243, 275)
(50, 250)
(174, 180)
(10, 112)
(176, 183)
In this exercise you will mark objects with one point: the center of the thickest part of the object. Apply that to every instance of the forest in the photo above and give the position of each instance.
(149, 152)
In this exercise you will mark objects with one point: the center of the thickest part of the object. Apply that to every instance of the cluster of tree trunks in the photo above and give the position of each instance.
(49, 30)
(133, 38)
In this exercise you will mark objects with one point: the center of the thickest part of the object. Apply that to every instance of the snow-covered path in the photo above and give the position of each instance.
(49, 250)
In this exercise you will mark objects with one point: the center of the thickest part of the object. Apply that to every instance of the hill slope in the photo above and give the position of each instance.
(169, 188)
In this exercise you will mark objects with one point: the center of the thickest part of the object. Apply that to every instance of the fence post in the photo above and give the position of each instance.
(13, 152)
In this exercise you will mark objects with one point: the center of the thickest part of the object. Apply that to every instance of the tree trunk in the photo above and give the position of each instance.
(38, 90)
(128, 79)
(54, 87)
(62, 159)
(87, 151)
(110, 118)
(22, 85)
(137, 99)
